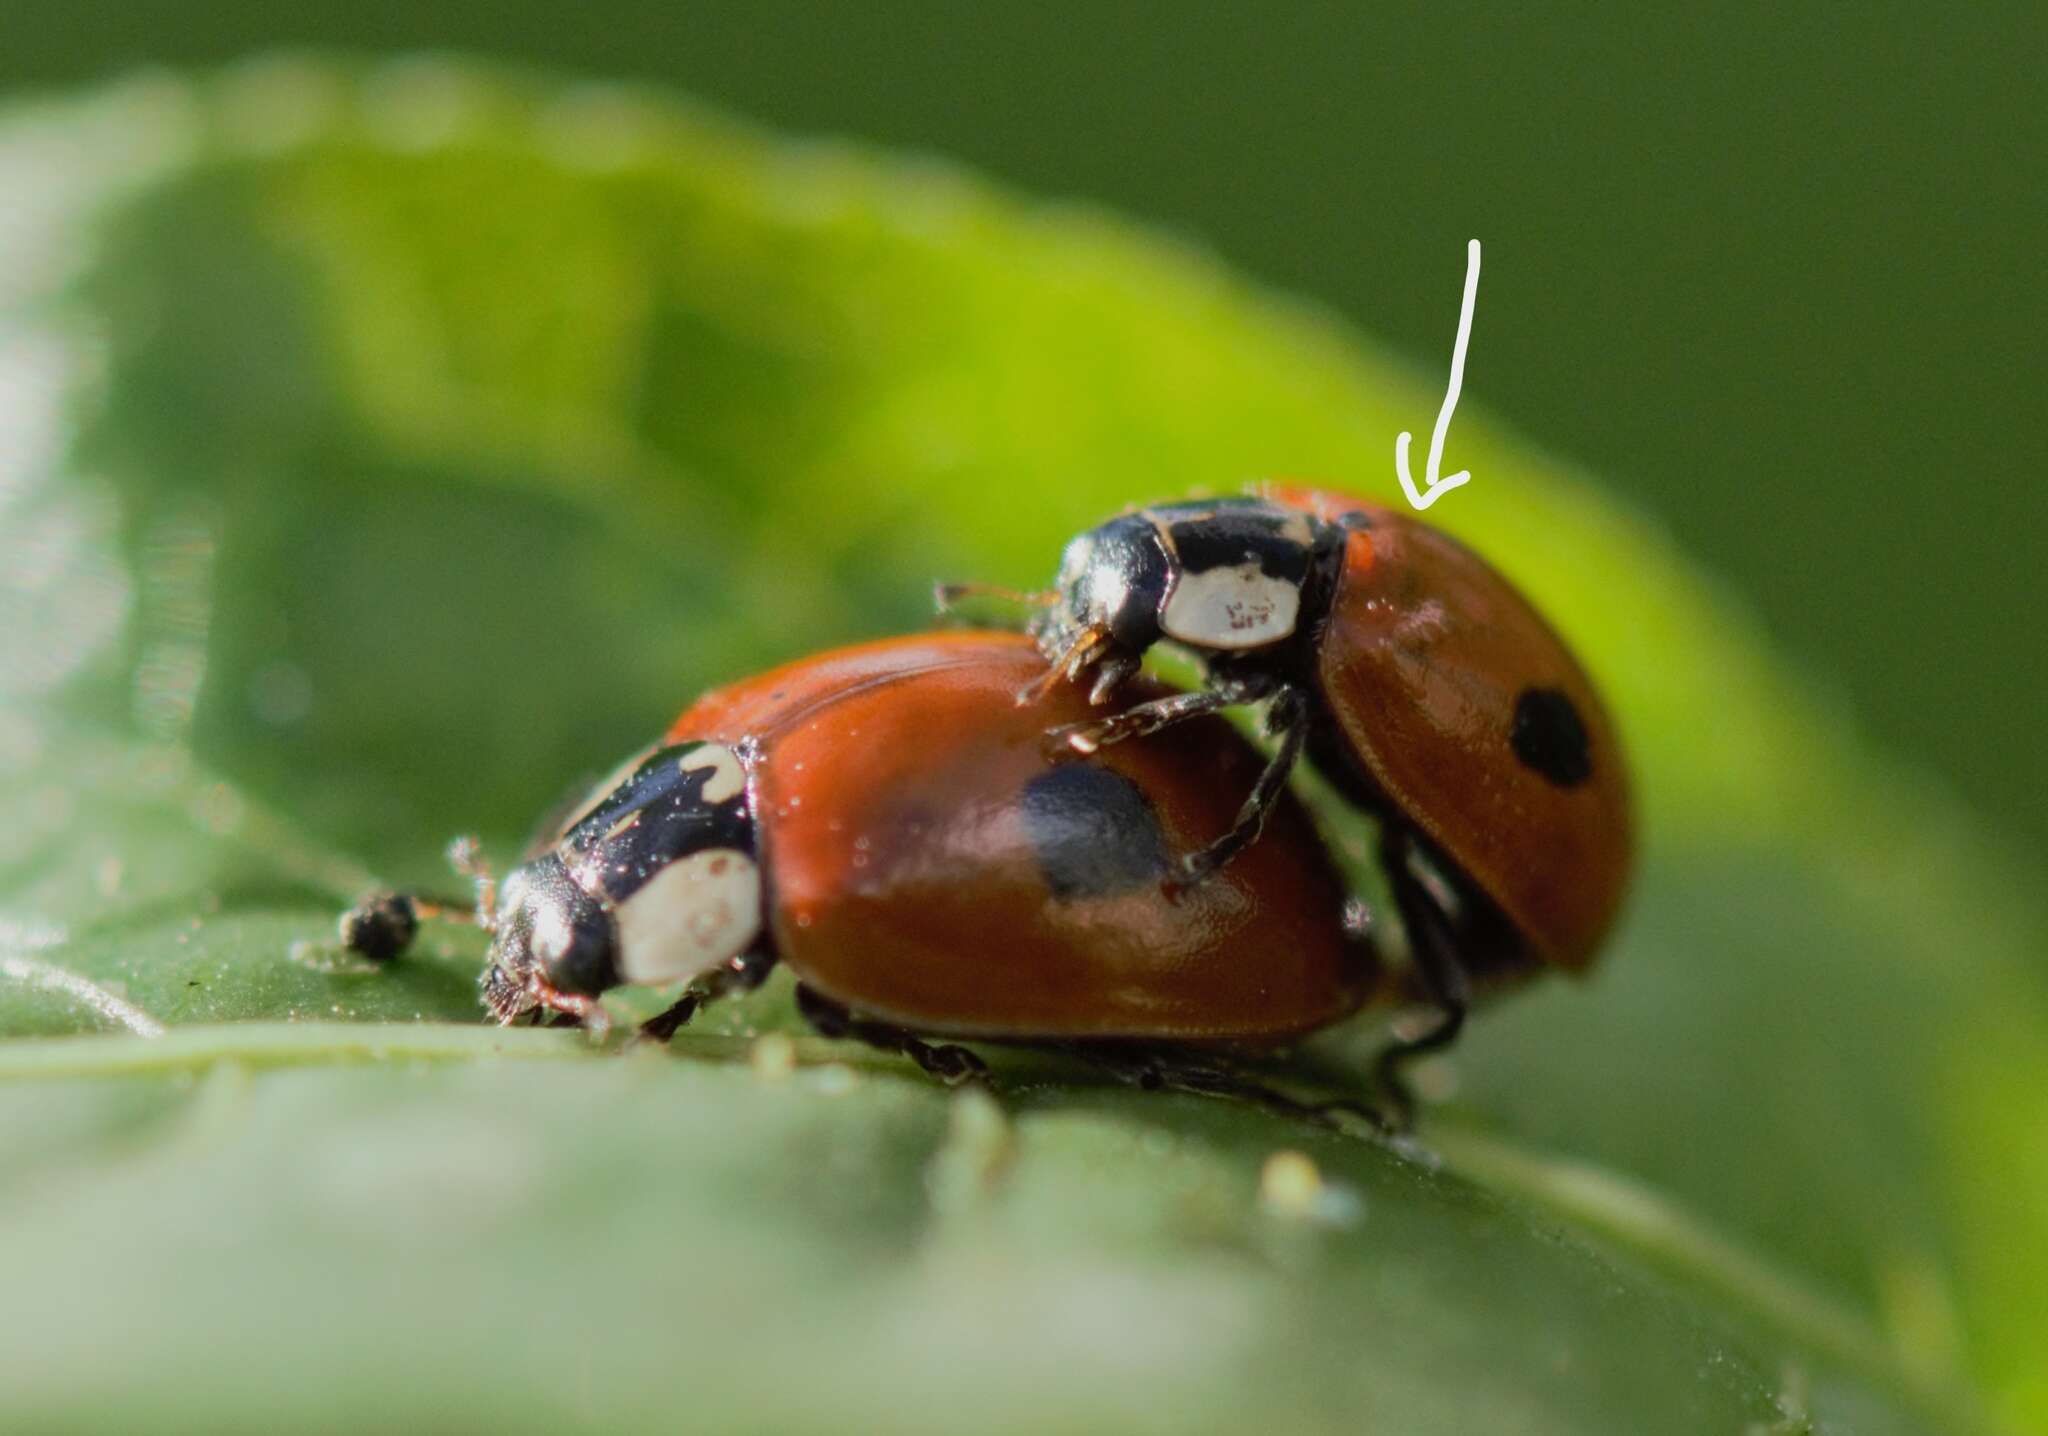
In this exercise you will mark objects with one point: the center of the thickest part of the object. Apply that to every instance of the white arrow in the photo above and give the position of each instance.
(1437, 487)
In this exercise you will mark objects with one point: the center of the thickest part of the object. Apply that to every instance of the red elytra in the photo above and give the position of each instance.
(1423, 662)
(931, 862)
(1424, 686)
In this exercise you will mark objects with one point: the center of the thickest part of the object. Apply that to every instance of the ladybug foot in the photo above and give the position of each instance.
(1196, 868)
(1181, 879)
(1110, 675)
(955, 1066)
(1142, 719)
(662, 1026)
(951, 1064)
(743, 974)
(569, 1009)
(1167, 1070)
(1071, 738)
(1383, 1123)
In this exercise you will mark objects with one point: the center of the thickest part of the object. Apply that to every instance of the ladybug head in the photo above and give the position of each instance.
(1105, 605)
(547, 928)
(653, 881)
(1216, 576)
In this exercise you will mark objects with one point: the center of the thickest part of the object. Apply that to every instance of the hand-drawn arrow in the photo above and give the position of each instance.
(1437, 487)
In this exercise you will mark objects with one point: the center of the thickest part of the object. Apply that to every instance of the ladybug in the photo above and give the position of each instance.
(1420, 682)
(890, 824)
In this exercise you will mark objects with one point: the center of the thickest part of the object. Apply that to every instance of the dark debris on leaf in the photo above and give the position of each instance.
(381, 926)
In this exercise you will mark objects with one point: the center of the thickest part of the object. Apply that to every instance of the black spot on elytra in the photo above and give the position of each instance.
(1093, 832)
(1550, 737)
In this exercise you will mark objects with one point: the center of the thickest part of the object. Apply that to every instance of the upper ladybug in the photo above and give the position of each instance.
(1424, 685)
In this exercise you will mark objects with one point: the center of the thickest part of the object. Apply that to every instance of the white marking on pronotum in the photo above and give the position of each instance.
(603, 790)
(1295, 529)
(1236, 607)
(1436, 488)
(699, 911)
(727, 778)
(35, 973)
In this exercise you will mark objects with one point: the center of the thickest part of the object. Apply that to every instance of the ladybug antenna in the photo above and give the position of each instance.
(947, 596)
(383, 924)
(465, 855)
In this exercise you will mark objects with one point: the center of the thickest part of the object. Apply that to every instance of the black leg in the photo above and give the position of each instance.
(945, 1061)
(743, 974)
(1141, 719)
(1286, 720)
(1110, 675)
(1157, 1068)
(566, 1009)
(1083, 650)
(1439, 970)
(1137, 720)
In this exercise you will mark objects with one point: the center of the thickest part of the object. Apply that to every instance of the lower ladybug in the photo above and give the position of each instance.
(1420, 681)
(890, 824)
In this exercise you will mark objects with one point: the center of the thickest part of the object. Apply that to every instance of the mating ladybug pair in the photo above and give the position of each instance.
(943, 836)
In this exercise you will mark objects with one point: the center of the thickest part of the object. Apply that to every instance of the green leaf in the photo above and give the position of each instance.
(386, 450)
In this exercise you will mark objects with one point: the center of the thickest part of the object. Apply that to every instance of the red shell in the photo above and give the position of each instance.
(904, 883)
(1425, 656)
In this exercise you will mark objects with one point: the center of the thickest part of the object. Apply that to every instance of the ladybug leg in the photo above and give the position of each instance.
(743, 974)
(1142, 718)
(1168, 1069)
(1136, 721)
(1286, 720)
(1087, 647)
(571, 1009)
(1439, 971)
(951, 1064)
(465, 855)
(1111, 674)
(506, 998)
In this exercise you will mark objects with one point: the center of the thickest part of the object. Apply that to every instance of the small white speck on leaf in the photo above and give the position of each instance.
(773, 1057)
(836, 1079)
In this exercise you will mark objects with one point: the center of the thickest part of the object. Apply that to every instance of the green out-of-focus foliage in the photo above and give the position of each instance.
(385, 450)
(1769, 269)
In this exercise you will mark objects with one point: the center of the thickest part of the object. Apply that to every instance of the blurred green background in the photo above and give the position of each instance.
(1771, 271)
